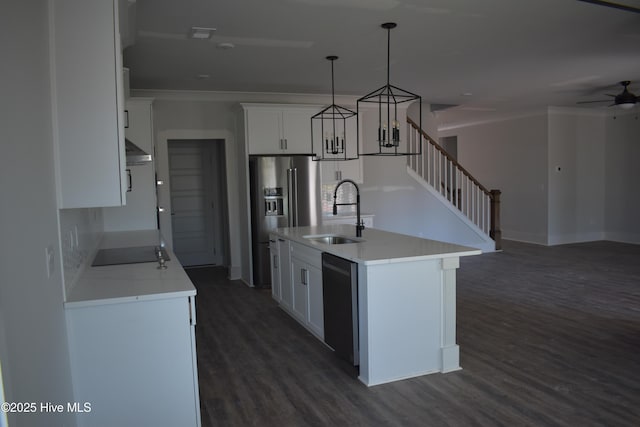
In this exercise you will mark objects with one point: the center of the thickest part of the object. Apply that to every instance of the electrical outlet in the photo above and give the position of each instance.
(49, 259)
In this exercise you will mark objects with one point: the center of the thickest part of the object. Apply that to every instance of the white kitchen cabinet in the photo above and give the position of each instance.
(278, 129)
(140, 213)
(306, 273)
(300, 271)
(135, 362)
(274, 255)
(315, 316)
(281, 284)
(88, 103)
(335, 171)
(286, 286)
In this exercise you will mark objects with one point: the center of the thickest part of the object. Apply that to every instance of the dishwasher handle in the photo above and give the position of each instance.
(344, 271)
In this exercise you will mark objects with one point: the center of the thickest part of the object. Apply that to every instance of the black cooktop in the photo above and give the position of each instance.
(135, 255)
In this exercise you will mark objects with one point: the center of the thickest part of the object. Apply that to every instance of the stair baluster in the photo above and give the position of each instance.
(441, 171)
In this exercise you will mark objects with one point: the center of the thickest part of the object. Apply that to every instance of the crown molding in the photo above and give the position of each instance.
(244, 97)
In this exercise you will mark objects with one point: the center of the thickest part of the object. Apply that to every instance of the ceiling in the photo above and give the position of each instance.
(481, 55)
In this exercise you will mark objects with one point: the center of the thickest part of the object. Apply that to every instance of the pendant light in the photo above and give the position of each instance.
(390, 139)
(331, 129)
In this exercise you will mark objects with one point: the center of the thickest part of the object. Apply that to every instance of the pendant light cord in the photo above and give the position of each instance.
(333, 100)
(388, 54)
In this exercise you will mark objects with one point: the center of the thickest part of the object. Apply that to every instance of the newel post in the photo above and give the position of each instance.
(495, 233)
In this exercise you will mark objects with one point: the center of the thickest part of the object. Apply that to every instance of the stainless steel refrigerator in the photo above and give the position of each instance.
(285, 192)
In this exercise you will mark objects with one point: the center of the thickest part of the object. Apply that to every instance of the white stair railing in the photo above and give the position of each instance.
(442, 172)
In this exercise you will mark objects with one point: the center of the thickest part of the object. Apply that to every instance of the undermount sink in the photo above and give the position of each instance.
(333, 239)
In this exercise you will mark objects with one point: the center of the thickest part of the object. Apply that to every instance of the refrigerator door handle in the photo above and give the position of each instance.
(294, 197)
(290, 199)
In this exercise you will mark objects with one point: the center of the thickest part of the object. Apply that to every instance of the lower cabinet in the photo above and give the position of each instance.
(300, 289)
(274, 255)
(301, 284)
(135, 362)
(281, 290)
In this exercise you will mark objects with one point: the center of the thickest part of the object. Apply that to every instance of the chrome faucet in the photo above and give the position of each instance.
(359, 223)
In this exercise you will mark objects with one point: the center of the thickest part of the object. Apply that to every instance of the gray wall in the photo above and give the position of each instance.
(592, 196)
(33, 340)
(576, 176)
(511, 155)
(622, 204)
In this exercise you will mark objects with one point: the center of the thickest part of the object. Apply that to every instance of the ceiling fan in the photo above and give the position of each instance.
(613, 5)
(624, 99)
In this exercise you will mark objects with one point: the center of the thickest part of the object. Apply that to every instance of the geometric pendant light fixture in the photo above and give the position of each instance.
(390, 140)
(333, 129)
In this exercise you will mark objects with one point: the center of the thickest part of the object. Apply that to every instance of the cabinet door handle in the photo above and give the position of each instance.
(285, 144)
(275, 261)
(303, 276)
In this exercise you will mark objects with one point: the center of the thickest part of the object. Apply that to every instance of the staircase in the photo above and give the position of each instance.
(441, 174)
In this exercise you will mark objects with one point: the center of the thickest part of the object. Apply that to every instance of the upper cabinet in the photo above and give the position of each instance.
(140, 212)
(88, 110)
(278, 129)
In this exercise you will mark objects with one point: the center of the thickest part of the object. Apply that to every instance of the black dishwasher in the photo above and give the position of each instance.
(340, 301)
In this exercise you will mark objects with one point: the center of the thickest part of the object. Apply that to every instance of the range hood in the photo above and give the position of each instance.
(135, 155)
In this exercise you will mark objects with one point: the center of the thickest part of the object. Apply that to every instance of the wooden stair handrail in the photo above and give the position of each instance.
(449, 157)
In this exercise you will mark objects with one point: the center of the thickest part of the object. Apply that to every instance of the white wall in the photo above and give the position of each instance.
(510, 155)
(576, 175)
(622, 171)
(80, 233)
(33, 346)
(591, 197)
(400, 203)
(191, 119)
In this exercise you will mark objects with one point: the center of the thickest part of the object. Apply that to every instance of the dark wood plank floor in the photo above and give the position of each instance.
(549, 336)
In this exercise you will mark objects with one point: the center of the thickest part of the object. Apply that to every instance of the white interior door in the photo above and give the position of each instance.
(196, 201)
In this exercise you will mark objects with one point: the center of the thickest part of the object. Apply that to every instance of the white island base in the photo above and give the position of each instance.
(406, 298)
(407, 319)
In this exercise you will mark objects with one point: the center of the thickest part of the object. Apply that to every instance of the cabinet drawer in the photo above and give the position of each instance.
(309, 255)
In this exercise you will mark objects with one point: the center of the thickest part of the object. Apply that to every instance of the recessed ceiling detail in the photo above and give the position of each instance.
(201, 33)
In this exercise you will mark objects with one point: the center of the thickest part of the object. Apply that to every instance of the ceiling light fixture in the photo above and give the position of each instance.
(201, 33)
(387, 98)
(330, 129)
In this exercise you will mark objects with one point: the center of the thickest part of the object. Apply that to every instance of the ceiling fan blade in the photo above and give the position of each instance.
(613, 5)
(591, 102)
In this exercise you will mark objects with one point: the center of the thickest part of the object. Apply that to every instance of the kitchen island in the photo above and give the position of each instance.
(406, 297)
(131, 334)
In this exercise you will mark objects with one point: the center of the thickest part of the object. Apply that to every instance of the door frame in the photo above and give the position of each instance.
(212, 164)
(231, 239)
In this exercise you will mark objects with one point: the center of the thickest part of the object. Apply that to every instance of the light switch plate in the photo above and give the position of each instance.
(49, 259)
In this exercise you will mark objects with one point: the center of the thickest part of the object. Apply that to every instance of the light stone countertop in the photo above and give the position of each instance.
(376, 246)
(130, 282)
